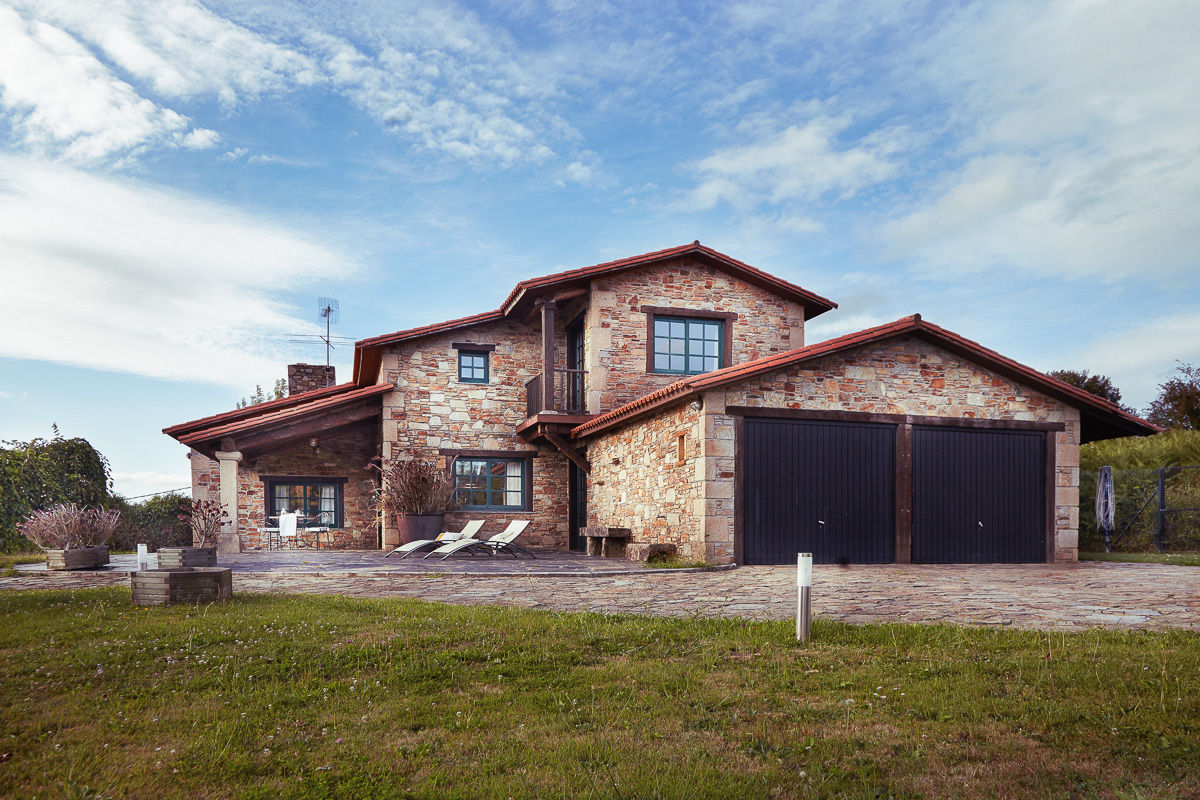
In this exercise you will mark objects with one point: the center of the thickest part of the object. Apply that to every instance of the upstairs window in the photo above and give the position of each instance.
(472, 366)
(686, 346)
(490, 483)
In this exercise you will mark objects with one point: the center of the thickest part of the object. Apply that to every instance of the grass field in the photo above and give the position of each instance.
(1179, 559)
(310, 696)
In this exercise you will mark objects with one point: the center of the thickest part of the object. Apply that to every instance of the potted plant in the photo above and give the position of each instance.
(415, 494)
(205, 518)
(72, 537)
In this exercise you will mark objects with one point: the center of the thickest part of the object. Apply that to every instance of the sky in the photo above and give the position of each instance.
(180, 181)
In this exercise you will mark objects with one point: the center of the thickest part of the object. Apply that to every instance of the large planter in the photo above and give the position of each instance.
(179, 557)
(77, 558)
(160, 587)
(415, 527)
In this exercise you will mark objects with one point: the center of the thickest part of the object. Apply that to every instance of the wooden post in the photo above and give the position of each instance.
(548, 309)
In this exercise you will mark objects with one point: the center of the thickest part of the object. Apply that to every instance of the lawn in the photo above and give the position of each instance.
(1179, 559)
(311, 696)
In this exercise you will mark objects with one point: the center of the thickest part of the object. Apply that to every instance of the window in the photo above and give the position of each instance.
(497, 483)
(472, 367)
(684, 346)
(318, 499)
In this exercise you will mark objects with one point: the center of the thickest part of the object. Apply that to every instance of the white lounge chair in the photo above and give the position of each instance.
(468, 532)
(501, 542)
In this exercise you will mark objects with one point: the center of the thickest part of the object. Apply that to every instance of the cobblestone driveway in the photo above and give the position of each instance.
(1126, 596)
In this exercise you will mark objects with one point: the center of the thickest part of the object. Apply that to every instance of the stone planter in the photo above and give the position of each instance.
(415, 527)
(77, 558)
(161, 587)
(179, 557)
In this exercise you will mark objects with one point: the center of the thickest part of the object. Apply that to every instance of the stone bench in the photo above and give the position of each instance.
(606, 542)
(644, 551)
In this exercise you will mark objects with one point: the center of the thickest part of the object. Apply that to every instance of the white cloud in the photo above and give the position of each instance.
(63, 100)
(1140, 357)
(1079, 150)
(803, 162)
(201, 139)
(148, 281)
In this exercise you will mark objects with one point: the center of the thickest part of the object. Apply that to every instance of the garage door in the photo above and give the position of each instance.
(978, 496)
(826, 488)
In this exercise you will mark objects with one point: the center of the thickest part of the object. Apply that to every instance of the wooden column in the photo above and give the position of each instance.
(548, 309)
(904, 493)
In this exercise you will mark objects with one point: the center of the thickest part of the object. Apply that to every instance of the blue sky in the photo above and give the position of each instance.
(179, 181)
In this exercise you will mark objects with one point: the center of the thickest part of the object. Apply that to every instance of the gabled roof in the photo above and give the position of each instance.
(522, 295)
(309, 403)
(1101, 418)
(270, 406)
(367, 352)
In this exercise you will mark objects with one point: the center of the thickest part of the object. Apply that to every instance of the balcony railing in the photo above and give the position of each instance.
(566, 395)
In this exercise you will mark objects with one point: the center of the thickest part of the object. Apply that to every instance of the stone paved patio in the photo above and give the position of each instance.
(1050, 597)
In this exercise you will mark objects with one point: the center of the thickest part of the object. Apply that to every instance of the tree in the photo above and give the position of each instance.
(1178, 401)
(278, 392)
(40, 473)
(1099, 385)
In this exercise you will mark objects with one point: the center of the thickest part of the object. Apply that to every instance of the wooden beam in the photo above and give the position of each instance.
(548, 309)
(568, 451)
(262, 441)
(904, 494)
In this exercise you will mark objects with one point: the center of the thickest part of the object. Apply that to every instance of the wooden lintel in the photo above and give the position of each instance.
(569, 294)
(311, 427)
(568, 450)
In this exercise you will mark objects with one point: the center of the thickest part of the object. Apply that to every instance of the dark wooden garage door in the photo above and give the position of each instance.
(978, 496)
(826, 488)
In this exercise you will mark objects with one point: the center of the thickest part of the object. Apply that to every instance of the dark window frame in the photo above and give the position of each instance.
(487, 365)
(727, 318)
(494, 457)
(339, 484)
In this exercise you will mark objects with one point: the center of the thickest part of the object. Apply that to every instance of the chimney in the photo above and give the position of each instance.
(307, 377)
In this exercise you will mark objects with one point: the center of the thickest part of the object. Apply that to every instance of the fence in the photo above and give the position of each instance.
(1156, 509)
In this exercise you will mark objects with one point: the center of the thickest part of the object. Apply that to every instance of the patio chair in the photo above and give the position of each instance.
(501, 542)
(468, 532)
(287, 529)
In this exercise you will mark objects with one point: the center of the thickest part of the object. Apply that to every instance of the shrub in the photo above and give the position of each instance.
(204, 518)
(413, 485)
(65, 526)
(157, 522)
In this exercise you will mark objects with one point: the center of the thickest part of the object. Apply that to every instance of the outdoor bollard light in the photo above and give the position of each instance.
(803, 598)
(143, 553)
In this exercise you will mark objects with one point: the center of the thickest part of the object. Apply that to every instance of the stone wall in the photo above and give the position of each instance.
(432, 411)
(616, 327)
(344, 453)
(639, 482)
(907, 376)
(911, 376)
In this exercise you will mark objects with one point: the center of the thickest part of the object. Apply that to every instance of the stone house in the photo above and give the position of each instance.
(672, 394)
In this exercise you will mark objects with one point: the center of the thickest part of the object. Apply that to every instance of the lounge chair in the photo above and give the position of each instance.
(468, 532)
(501, 542)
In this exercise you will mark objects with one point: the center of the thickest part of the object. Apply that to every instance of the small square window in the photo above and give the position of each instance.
(472, 366)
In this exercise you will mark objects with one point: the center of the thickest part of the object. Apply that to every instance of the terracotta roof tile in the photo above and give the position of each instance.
(314, 403)
(255, 410)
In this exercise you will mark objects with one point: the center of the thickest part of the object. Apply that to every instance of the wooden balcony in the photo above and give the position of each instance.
(566, 393)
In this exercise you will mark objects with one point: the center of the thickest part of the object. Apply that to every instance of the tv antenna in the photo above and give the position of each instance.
(328, 312)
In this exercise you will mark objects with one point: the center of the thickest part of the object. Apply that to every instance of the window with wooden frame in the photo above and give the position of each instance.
(472, 366)
(318, 500)
(680, 448)
(495, 484)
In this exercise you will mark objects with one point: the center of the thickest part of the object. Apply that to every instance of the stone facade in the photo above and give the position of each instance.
(638, 480)
(615, 338)
(435, 413)
(905, 376)
(344, 453)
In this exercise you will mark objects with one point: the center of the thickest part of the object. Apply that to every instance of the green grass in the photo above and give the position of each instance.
(676, 563)
(9, 560)
(311, 696)
(1179, 559)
